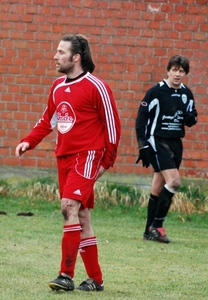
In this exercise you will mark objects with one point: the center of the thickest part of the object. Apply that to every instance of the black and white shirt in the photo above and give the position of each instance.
(163, 111)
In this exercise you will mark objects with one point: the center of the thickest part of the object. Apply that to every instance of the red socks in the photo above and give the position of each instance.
(88, 250)
(70, 247)
(89, 253)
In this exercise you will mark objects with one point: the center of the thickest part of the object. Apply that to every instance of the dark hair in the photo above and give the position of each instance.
(178, 61)
(80, 45)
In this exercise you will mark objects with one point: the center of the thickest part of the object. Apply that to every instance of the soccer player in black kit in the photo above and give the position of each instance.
(160, 125)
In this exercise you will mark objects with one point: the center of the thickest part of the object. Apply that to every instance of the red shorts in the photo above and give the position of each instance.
(77, 174)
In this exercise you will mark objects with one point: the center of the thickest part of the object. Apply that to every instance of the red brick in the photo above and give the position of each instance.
(154, 25)
(204, 27)
(204, 46)
(27, 161)
(123, 14)
(19, 115)
(199, 19)
(193, 9)
(141, 24)
(131, 43)
(186, 36)
(160, 34)
(180, 27)
(160, 17)
(202, 2)
(140, 6)
(12, 106)
(13, 17)
(189, 2)
(168, 8)
(21, 125)
(26, 89)
(192, 27)
(204, 10)
(181, 8)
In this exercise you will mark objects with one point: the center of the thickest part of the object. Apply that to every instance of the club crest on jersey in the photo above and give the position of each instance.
(65, 117)
(184, 98)
(143, 103)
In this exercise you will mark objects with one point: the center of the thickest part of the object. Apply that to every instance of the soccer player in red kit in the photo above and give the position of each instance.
(83, 109)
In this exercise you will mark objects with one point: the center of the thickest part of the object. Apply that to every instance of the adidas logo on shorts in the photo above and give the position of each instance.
(77, 192)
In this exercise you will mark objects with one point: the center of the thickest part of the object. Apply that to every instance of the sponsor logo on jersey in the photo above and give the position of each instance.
(175, 95)
(177, 116)
(65, 116)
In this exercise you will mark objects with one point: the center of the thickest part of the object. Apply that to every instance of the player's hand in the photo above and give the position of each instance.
(21, 148)
(144, 156)
(189, 119)
(100, 172)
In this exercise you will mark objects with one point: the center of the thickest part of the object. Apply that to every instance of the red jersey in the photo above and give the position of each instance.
(85, 113)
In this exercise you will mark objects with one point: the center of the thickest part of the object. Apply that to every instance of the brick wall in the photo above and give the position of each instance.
(131, 42)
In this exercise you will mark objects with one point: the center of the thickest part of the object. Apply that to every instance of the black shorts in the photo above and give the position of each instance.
(165, 153)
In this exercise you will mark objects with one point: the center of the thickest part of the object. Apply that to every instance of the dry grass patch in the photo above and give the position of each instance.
(188, 199)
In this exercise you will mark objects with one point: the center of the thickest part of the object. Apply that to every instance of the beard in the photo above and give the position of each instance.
(67, 68)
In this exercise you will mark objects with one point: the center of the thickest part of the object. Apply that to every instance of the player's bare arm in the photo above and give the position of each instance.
(21, 148)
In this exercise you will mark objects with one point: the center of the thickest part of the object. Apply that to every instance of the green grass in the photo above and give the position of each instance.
(133, 269)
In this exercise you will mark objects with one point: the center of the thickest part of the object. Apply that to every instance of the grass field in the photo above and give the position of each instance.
(133, 269)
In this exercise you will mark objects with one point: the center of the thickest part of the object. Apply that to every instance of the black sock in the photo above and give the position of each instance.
(164, 202)
(151, 208)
